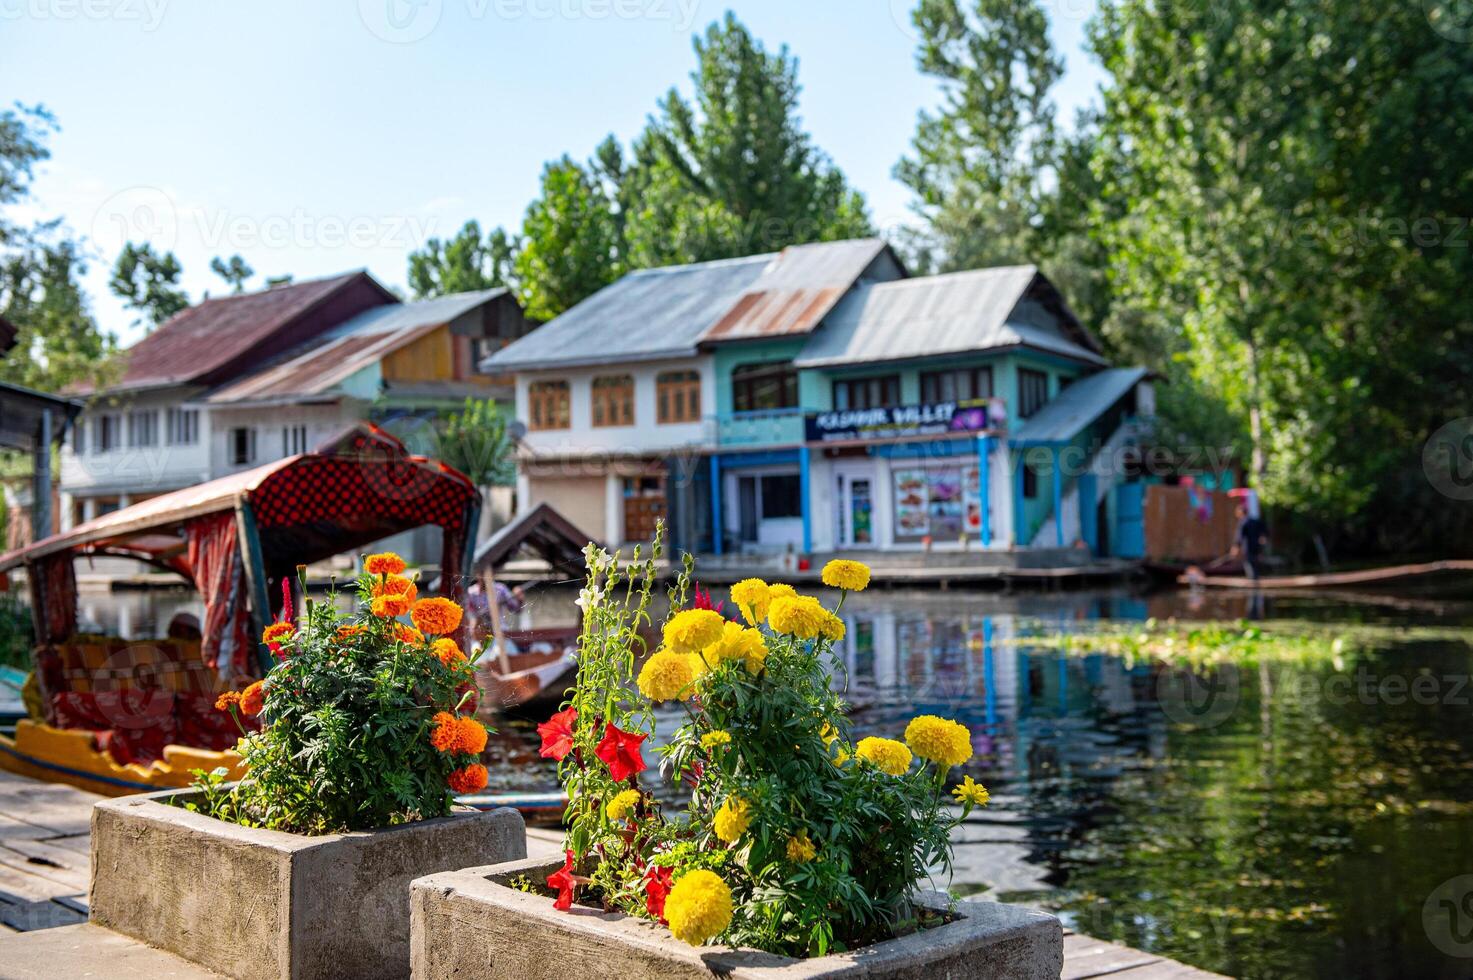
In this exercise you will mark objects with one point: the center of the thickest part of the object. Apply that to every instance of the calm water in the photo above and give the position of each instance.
(1283, 820)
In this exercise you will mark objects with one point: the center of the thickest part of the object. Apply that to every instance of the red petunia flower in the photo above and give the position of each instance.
(620, 752)
(564, 881)
(657, 882)
(557, 734)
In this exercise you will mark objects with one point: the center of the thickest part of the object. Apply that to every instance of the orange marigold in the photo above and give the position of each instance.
(446, 735)
(390, 584)
(384, 563)
(349, 631)
(253, 699)
(436, 616)
(409, 635)
(468, 779)
(390, 605)
(277, 632)
(472, 736)
(228, 701)
(448, 651)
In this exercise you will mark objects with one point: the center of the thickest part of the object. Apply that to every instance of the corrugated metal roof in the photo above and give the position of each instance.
(797, 290)
(647, 314)
(349, 347)
(947, 314)
(1076, 407)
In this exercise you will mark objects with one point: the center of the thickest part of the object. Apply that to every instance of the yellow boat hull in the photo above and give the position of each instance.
(59, 755)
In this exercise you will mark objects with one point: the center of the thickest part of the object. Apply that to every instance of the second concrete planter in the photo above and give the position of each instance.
(265, 905)
(473, 925)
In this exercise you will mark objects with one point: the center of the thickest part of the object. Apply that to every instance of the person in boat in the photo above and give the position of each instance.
(509, 600)
(1249, 540)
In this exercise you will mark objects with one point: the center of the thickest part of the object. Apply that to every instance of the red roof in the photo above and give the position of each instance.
(218, 338)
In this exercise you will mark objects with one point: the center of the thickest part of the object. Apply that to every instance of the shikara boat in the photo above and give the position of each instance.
(120, 716)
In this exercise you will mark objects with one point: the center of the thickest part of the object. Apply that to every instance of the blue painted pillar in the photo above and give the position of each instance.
(1020, 503)
(1088, 512)
(984, 487)
(804, 482)
(717, 531)
(989, 676)
(1058, 501)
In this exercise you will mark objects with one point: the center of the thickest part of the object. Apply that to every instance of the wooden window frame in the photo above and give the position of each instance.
(612, 402)
(931, 384)
(746, 379)
(677, 390)
(549, 406)
(888, 386)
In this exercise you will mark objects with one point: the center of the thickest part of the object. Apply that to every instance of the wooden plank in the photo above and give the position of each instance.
(59, 809)
(1085, 957)
(48, 853)
(1333, 579)
(48, 878)
(1167, 970)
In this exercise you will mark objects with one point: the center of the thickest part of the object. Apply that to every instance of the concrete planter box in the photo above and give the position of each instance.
(472, 926)
(263, 905)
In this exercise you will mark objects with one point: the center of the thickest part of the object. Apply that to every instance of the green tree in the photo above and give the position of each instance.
(570, 242)
(234, 271)
(23, 134)
(148, 282)
(464, 263)
(58, 342)
(476, 442)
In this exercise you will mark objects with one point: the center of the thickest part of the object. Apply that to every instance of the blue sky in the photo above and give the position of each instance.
(315, 137)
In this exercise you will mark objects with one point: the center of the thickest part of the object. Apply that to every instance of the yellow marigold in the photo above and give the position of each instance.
(940, 740)
(448, 651)
(620, 806)
(390, 605)
(842, 756)
(832, 627)
(698, 908)
(710, 740)
(751, 647)
(693, 630)
(445, 736)
(436, 616)
(851, 576)
(471, 736)
(828, 733)
(800, 848)
(725, 645)
(698, 666)
(277, 632)
(751, 596)
(390, 584)
(384, 563)
(408, 635)
(972, 792)
(886, 754)
(666, 676)
(800, 615)
(732, 819)
(780, 589)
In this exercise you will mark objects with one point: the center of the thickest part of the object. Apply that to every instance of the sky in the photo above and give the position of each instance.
(318, 136)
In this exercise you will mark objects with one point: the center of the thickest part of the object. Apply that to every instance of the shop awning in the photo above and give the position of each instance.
(1076, 407)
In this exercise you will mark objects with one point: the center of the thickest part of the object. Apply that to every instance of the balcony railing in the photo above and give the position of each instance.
(773, 427)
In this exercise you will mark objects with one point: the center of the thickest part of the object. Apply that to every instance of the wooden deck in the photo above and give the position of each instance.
(44, 872)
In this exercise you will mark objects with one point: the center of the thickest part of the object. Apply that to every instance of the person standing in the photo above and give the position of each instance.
(1249, 542)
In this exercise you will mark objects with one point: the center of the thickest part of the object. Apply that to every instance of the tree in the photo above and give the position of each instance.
(148, 282)
(475, 441)
(23, 134)
(570, 242)
(982, 165)
(235, 272)
(57, 340)
(463, 264)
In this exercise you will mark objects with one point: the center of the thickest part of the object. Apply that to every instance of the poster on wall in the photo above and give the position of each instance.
(944, 491)
(911, 515)
(973, 499)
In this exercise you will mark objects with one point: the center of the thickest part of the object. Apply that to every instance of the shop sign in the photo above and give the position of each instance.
(897, 422)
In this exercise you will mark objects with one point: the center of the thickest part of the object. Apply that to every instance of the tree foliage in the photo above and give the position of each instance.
(234, 271)
(465, 263)
(475, 441)
(148, 281)
(570, 244)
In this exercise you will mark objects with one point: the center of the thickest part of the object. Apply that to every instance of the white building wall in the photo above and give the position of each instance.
(321, 422)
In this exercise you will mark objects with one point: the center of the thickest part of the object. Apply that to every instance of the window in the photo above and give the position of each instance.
(613, 400)
(678, 397)
(293, 440)
(962, 385)
(1032, 391)
(764, 387)
(547, 403)
(242, 446)
(859, 393)
(1030, 481)
(782, 496)
(182, 426)
(79, 440)
(107, 433)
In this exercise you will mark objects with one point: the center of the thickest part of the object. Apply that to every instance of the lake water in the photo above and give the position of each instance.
(1276, 820)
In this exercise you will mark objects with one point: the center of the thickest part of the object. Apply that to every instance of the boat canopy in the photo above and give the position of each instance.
(541, 532)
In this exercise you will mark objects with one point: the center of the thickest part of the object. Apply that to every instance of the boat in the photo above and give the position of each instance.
(116, 716)
(528, 670)
(1338, 580)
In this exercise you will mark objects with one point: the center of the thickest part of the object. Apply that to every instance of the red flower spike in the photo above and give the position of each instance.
(657, 883)
(557, 734)
(620, 752)
(564, 881)
(286, 600)
(702, 600)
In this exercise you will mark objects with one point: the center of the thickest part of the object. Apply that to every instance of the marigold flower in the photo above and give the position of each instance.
(277, 632)
(448, 651)
(841, 573)
(886, 754)
(942, 741)
(445, 736)
(390, 584)
(666, 676)
(468, 779)
(971, 792)
(470, 736)
(619, 750)
(831, 627)
(710, 740)
(408, 635)
(437, 616)
(620, 806)
(698, 908)
(751, 646)
(348, 632)
(780, 589)
(800, 848)
(732, 819)
(384, 563)
(557, 734)
(693, 630)
(228, 701)
(253, 699)
(751, 596)
(799, 615)
(390, 605)
(828, 733)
